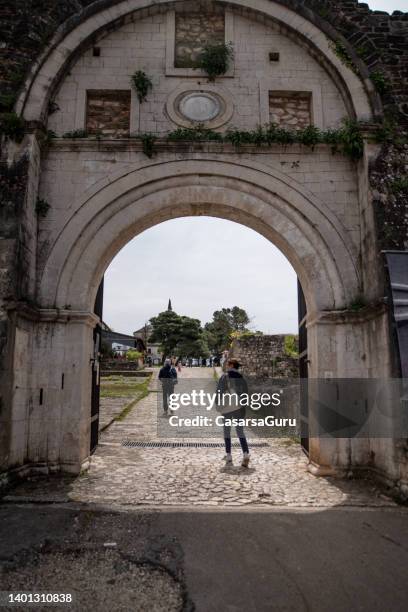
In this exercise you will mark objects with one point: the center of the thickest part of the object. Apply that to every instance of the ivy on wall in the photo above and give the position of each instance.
(141, 84)
(347, 140)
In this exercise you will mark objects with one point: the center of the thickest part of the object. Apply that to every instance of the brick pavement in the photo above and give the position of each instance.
(198, 477)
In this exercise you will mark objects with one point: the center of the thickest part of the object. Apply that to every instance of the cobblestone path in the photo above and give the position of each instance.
(198, 477)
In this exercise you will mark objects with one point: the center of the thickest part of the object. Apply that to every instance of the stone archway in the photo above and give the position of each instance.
(118, 208)
(330, 240)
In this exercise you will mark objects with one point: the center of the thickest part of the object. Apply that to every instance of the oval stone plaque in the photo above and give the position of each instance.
(199, 106)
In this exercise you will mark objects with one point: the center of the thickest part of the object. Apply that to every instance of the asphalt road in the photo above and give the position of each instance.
(339, 559)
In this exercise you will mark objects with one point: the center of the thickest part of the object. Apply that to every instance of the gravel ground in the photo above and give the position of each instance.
(85, 574)
(107, 561)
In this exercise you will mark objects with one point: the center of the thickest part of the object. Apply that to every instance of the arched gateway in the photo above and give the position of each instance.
(102, 190)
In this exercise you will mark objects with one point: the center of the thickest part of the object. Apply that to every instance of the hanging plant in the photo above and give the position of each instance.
(148, 141)
(141, 84)
(215, 60)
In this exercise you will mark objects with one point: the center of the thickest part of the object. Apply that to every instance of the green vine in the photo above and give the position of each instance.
(12, 126)
(340, 50)
(194, 134)
(381, 82)
(142, 84)
(291, 347)
(148, 141)
(347, 139)
(400, 185)
(214, 60)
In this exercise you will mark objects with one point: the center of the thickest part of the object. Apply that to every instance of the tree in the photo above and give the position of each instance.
(224, 323)
(192, 341)
(166, 331)
(178, 335)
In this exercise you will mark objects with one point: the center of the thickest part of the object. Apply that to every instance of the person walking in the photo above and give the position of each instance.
(168, 379)
(232, 382)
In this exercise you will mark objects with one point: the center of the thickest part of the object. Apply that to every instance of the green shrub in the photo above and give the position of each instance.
(141, 84)
(400, 185)
(310, 136)
(215, 59)
(132, 355)
(291, 346)
(347, 139)
(194, 134)
(148, 141)
(381, 82)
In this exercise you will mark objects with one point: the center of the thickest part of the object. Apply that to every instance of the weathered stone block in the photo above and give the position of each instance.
(108, 112)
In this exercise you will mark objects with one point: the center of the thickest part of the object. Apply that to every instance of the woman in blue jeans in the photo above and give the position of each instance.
(233, 382)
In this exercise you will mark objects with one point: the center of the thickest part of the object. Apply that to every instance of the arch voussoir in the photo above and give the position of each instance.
(111, 214)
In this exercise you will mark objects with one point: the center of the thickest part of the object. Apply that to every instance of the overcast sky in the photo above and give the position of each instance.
(186, 260)
(388, 5)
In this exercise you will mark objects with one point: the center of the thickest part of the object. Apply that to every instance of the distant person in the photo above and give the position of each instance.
(168, 379)
(232, 382)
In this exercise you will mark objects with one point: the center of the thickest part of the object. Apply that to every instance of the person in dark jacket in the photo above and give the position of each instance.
(168, 379)
(233, 382)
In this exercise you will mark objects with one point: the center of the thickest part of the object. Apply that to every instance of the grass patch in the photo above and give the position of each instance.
(120, 386)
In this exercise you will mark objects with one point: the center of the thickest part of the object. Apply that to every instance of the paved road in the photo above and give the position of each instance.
(337, 559)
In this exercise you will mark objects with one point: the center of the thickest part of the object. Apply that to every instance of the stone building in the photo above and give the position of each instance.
(88, 162)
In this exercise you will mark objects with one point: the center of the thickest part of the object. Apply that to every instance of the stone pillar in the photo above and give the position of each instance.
(60, 416)
(346, 344)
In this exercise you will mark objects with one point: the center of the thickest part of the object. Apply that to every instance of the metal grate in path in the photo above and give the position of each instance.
(143, 444)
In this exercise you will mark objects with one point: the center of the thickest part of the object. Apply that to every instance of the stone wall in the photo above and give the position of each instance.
(264, 357)
(120, 365)
(196, 29)
(122, 53)
(108, 113)
(377, 39)
(290, 110)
